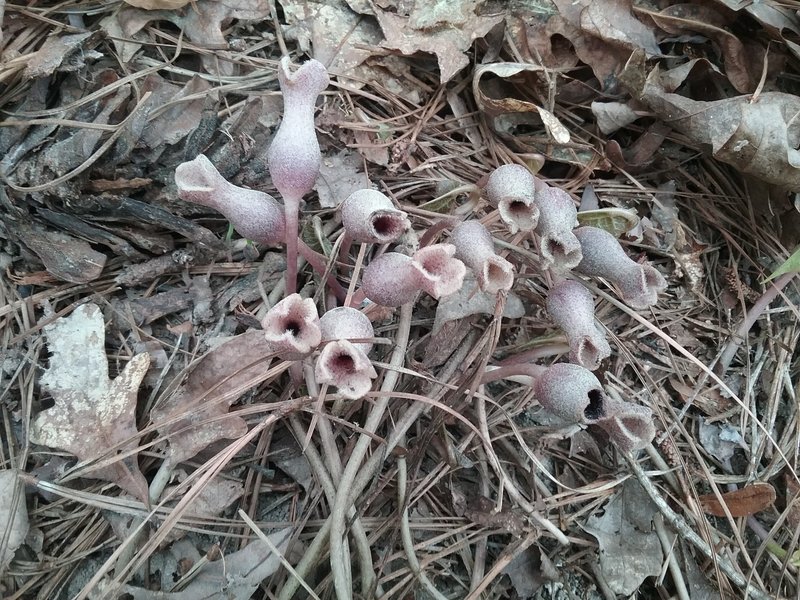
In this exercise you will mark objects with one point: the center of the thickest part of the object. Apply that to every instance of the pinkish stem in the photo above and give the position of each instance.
(291, 210)
(317, 262)
(506, 371)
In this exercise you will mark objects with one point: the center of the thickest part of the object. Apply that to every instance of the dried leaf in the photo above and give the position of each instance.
(93, 417)
(629, 549)
(195, 415)
(214, 497)
(339, 176)
(56, 50)
(13, 516)
(341, 38)
(236, 576)
(719, 440)
(792, 501)
(158, 4)
(65, 257)
(446, 29)
(612, 116)
(747, 501)
(759, 137)
(681, 18)
(613, 21)
(469, 300)
(529, 571)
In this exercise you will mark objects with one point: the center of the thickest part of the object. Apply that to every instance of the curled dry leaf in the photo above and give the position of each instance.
(495, 99)
(93, 416)
(758, 137)
(13, 516)
(747, 501)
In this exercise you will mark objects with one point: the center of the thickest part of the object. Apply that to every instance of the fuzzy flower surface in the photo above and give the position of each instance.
(559, 249)
(571, 307)
(255, 215)
(629, 426)
(474, 248)
(343, 361)
(512, 189)
(572, 393)
(292, 327)
(369, 216)
(294, 156)
(394, 279)
(603, 256)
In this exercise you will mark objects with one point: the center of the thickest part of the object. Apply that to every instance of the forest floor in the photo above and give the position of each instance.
(141, 459)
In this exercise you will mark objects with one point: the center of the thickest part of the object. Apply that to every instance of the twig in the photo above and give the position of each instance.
(686, 532)
(338, 513)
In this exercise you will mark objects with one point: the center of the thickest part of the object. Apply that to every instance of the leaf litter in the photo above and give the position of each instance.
(680, 118)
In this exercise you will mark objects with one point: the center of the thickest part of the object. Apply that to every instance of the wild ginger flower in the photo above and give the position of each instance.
(292, 327)
(294, 156)
(255, 215)
(630, 426)
(571, 307)
(474, 247)
(368, 216)
(572, 393)
(512, 189)
(559, 249)
(394, 279)
(342, 362)
(603, 256)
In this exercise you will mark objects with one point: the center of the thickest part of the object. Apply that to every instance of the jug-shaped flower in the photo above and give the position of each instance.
(603, 256)
(255, 215)
(571, 307)
(474, 247)
(294, 156)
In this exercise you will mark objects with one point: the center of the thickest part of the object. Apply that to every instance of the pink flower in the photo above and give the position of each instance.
(512, 189)
(474, 247)
(369, 216)
(255, 215)
(294, 156)
(394, 279)
(343, 362)
(440, 273)
(571, 307)
(292, 327)
(630, 426)
(571, 392)
(603, 256)
(559, 249)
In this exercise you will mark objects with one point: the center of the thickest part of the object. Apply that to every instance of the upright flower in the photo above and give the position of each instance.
(559, 249)
(571, 307)
(474, 247)
(255, 215)
(604, 257)
(512, 189)
(294, 156)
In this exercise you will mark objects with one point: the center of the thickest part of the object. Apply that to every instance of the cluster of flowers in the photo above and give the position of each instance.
(524, 203)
